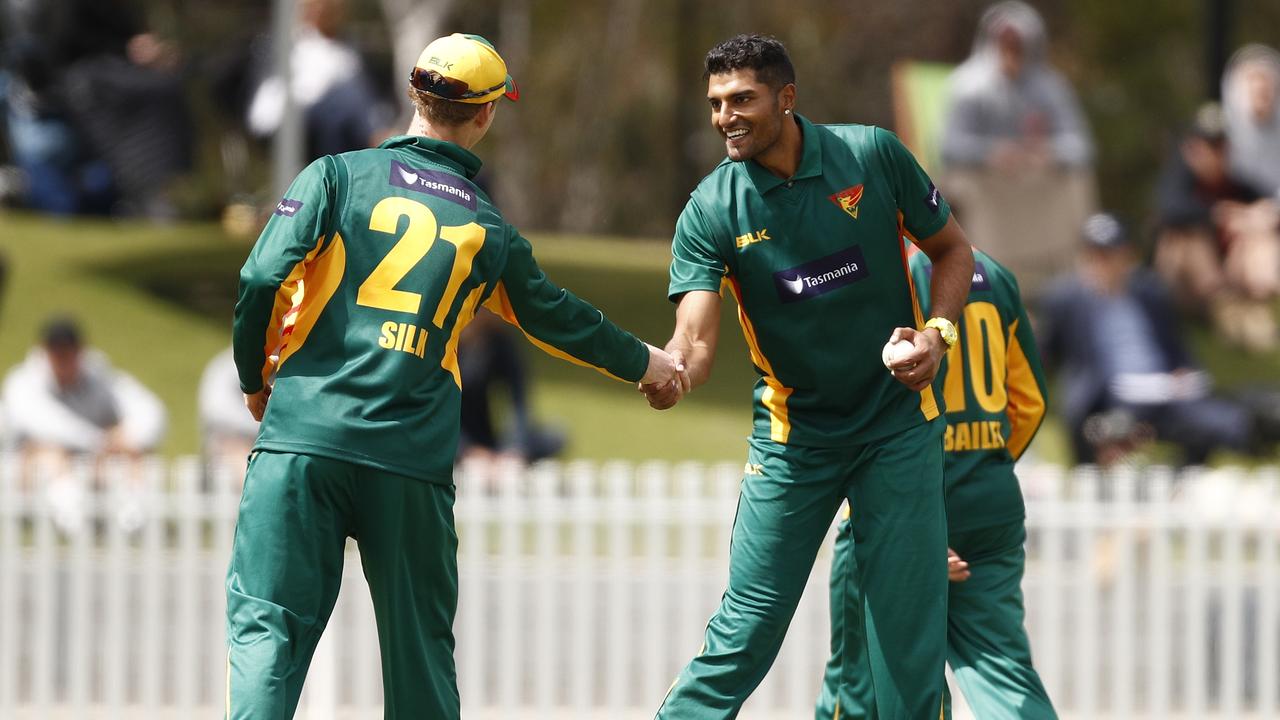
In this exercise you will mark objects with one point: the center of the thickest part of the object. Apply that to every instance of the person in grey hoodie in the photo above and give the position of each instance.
(1251, 106)
(1008, 109)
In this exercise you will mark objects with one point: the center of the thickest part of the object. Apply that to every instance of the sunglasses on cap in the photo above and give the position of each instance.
(430, 81)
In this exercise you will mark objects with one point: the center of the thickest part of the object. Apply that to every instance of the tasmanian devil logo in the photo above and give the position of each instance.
(848, 199)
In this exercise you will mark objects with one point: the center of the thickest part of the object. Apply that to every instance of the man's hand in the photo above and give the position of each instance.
(957, 568)
(257, 402)
(662, 396)
(917, 368)
(662, 368)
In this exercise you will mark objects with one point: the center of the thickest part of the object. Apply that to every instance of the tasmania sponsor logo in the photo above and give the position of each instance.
(287, 208)
(821, 276)
(848, 199)
(430, 182)
(933, 199)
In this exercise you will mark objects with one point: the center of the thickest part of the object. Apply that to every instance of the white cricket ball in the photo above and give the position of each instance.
(895, 351)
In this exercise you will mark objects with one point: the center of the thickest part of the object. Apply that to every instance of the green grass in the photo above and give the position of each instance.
(158, 299)
(58, 266)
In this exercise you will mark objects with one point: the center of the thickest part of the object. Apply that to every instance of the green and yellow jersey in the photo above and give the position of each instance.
(820, 278)
(353, 298)
(993, 389)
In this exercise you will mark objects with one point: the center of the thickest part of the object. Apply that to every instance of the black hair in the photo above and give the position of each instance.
(764, 54)
(61, 332)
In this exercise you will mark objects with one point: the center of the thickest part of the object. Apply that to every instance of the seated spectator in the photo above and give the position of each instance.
(1218, 242)
(226, 426)
(65, 409)
(1251, 104)
(489, 359)
(67, 399)
(1111, 330)
(342, 111)
(1016, 151)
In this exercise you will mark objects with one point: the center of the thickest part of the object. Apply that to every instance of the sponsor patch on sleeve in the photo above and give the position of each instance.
(933, 199)
(287, 208)
(981, 281)
(430, 182)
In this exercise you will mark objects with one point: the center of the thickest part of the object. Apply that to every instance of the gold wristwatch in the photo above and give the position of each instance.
(945, 328)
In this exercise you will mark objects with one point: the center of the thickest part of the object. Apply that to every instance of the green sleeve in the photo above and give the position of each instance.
(560, 323)
(695, 262)
(296, 231)
(924, 210)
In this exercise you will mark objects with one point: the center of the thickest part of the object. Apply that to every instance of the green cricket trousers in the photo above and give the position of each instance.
(286, 566)
(788, 498)
(986, 642)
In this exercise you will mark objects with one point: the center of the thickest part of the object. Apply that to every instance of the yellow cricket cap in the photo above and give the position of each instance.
(463, 68)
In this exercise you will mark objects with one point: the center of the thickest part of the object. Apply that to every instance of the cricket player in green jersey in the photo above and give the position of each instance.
(993, 388)
(346, 335)
(802, 222)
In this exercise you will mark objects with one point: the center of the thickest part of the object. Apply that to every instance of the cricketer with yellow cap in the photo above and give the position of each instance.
(463, 68)
(346, 339)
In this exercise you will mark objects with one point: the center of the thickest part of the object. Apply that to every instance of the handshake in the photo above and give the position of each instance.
(666, 380)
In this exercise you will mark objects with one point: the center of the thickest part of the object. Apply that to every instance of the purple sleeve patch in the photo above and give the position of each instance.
(933, 199)
(430, 182)
(287, 207)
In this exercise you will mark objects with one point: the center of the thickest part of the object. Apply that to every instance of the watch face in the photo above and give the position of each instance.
(946, 329)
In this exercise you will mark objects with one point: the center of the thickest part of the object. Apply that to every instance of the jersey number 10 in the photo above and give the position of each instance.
(984, 353)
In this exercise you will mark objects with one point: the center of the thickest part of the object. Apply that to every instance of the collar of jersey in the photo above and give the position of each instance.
(454, 156)
(810, 160)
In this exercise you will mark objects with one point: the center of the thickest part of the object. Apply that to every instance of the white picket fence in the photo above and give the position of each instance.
(585, 588)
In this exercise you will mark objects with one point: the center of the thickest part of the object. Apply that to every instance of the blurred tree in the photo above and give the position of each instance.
(612, 131)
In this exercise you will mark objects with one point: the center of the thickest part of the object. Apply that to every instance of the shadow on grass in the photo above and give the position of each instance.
(199, 281)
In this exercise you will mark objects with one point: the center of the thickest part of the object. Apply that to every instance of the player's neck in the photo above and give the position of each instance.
(783, 157)
(457, 136)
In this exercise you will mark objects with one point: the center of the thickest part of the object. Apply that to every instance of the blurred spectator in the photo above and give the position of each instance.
(66, 398)
(342, 110)
(1218, 243)
(66, 409)
(1009, 110)
(40, 42)
(1251, 103)
(1016, 150)
(132, 108)
(489, 358)
(226, 426)
(1112, 331)
(95, 112)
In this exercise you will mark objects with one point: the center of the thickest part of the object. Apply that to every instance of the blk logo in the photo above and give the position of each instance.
(748, 238)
